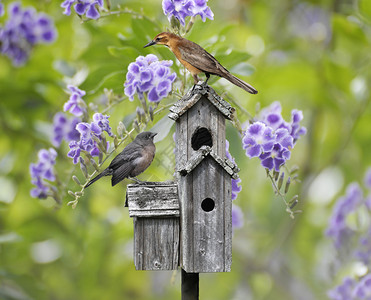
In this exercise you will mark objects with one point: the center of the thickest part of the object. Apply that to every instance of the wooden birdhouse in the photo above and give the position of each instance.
(154, 208)
(204, 181)
(189, 222)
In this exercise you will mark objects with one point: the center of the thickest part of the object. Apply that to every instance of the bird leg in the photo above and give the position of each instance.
(204, 84)
(195, 78)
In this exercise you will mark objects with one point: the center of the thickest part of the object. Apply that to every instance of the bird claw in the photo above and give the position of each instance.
(199, 86)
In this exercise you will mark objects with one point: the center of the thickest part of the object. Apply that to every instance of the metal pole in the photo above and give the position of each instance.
(190, 286)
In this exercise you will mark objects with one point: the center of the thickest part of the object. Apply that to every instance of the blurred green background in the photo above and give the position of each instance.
(310, 55)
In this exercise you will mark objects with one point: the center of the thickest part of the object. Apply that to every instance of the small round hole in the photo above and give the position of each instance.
(208, 204)
(201, 137)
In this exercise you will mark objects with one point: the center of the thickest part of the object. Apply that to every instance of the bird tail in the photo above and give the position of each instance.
(240, 83)
(106, 172)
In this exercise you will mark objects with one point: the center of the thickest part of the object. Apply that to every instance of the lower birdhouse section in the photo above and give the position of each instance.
(154, 208)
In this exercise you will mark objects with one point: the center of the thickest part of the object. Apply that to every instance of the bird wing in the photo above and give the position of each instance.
(121, 172)
(201, 59)
(130, 153)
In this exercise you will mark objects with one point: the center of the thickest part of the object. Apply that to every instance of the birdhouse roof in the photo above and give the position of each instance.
(194, 95)
(229, 166)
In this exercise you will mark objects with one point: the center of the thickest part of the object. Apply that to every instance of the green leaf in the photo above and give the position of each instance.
(231, 58)
(123, 52)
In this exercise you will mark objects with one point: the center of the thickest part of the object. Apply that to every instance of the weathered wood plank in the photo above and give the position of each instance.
(156, 243)
(153, 199)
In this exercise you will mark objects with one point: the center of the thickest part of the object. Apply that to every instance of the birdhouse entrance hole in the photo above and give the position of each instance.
(201, 137)
(208, 204)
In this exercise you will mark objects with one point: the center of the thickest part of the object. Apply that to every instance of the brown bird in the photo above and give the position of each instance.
(132, 161)
(197, 60)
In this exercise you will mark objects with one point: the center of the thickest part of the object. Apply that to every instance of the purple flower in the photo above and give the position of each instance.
(75, 105)
(258, 139)
(296, 129)
(344, 291)
(83, 7)
(236, 188)
(200, 8)
(102, 122)
(41, 171)
(363, 288)
(272, 138)
(337, 228)
(275, 158)
(64, 128)
(367, 179)
(24, 29)
(363, 252)
(90, 135)
(237, 217)
(272, 117)
(75, 151)
(1, 9)
(180, 9)
(151, 76)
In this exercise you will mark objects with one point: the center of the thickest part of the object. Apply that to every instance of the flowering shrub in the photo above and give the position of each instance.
(272, 138)
(337, 228)
(64, 128)
(151, 76)
(89, 8)
(237, 214)
(340, 232)
(91, 137)
(180, 9)
(24, 29)
(75, 105)
(41, 171)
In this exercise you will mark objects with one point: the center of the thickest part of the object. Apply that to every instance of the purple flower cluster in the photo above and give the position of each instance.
(90, 135)
(338, 229)
(236, 188)
(75, 105)
(181, 9)
(64, 128)
(237, 214)
(350, 289)
(272, 138)
(149, 75)
(344, 291)
(83, 7)
(42, 170)
(24, 29)
(1, 9)
(363, 252)
(237, 217)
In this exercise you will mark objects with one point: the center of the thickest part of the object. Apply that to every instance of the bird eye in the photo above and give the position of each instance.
(158, 39)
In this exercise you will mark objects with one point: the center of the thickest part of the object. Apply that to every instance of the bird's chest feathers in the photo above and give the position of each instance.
(142, 162)
(185, 62)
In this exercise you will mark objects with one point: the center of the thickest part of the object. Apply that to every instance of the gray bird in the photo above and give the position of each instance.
(132, 161)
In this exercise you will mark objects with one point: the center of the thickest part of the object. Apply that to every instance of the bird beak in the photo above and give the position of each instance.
(154, 134)
(150, 44)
